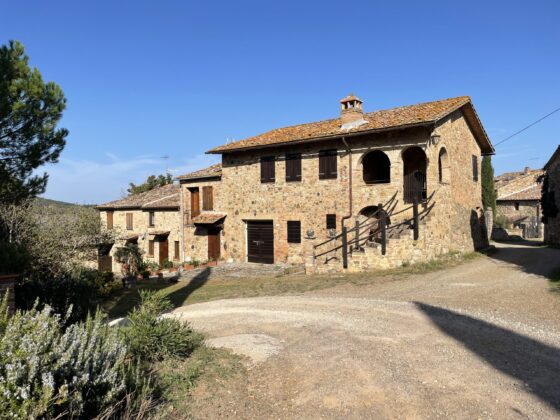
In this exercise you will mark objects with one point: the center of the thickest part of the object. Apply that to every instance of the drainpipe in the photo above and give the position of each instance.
(182, 215)
(349, 215)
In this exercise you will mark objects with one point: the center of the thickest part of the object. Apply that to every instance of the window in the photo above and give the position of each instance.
(129, 224)
(207, 198)
(327, 164)
(474, 168)
(151, 248)
(294, 232)
(152, 218)
(176, 255)
(195, 202)
(293, 167)
(376, 168)
(331, 221)
(268, 169)
(110, 219)
(516, 206)
(443, 167)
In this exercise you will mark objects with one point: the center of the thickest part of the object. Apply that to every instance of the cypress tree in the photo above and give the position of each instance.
(488, 189)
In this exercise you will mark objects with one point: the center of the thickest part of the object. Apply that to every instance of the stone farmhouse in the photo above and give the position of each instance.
(150, 219)
(518, 200)
(360, 191)
(551, 199)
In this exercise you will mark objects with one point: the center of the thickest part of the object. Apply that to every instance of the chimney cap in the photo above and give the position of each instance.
(349, 98)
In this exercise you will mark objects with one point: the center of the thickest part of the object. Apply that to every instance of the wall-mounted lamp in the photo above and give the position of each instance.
(435, 138)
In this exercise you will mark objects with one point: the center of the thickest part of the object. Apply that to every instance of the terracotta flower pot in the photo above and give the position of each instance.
(211, 264)
(188, 266)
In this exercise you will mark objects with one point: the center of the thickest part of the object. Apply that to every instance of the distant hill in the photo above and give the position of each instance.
(48, 202)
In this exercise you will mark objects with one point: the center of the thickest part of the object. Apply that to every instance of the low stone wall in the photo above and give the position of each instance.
(7, 284)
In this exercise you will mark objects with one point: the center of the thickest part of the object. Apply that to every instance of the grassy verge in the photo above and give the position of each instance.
(203, 373)
(203, 289)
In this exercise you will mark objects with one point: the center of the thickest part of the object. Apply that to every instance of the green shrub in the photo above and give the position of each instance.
(48, 371)
(502, 221)
(152, 337)
(195, 263)
(14, 258)
(166, 264)
(130, 256)
(59, 291)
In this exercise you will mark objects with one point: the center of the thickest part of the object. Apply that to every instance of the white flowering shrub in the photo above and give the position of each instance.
(46, 371)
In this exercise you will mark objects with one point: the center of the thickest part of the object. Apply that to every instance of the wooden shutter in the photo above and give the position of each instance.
(331, 221)
(195, 202)
(177, 252)
(129, 224)
(207, 198)
(151, 248)
(475, 168)
(268, 169)
(327, 164)
(293, 167)
(110, 219)
(294, 232)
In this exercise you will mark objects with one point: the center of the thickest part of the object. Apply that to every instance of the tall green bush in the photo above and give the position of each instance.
(47, 371)
(488, 188)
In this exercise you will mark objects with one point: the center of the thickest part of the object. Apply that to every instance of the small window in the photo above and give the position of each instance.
(152, 218)
(516, 206)
(474, 168)
(268, 169)
(331, 221)
(443, 166)
(151, 248)
(294, 232)
(110, 219)
(176, 256)
(207, 198)
(129, 221)
(293, 167)
(327, 164)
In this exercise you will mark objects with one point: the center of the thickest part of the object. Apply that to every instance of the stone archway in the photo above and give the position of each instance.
(415, 164)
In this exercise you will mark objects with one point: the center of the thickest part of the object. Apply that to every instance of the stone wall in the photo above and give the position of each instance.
(164, 220)
(552, 227)
(457, 202)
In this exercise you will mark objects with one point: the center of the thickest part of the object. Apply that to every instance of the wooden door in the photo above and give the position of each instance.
(163, 250)
(260, 242)
(214, 244)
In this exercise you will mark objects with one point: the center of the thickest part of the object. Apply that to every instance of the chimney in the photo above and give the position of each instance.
(526, 170)
(351, 112)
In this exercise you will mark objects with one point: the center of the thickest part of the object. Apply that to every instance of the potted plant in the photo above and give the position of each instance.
(211, 263)
(188, 266)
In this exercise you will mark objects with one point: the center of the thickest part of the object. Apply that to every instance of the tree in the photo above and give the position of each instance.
(29, 113)
(488, 189)
(151, 183)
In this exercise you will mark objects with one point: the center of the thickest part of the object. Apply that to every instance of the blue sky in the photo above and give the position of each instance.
(149, 79)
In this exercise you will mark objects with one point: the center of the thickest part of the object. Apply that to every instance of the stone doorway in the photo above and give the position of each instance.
(414, 172)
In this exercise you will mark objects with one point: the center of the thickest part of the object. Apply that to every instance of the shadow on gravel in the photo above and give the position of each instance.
(531, 257)
(534, 363)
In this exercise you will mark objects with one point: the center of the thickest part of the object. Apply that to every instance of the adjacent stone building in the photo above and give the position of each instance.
(150, 219)
(518, 201)
(276, 197)
(551, 200)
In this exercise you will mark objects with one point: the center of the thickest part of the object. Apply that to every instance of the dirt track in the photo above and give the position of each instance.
(480, 340)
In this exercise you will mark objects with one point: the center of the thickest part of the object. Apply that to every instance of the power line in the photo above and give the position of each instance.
(529, 126)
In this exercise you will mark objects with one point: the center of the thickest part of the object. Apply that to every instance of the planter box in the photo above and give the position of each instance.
(188, 266)
(7, 284)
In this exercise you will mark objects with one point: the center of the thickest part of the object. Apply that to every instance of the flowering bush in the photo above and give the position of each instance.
(46, 371)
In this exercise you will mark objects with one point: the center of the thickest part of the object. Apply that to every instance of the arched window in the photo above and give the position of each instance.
(443, 166)
(376, 168)
(414, 171)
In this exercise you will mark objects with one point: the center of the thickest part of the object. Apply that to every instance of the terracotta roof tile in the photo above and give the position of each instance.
(213, 171)
(530, 193)
(379, 120)
(208, 218)
(165, 196)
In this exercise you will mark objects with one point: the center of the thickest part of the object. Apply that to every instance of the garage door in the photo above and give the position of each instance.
(260, 242)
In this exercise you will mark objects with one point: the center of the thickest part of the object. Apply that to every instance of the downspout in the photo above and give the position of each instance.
(182, 215)
(349, 215)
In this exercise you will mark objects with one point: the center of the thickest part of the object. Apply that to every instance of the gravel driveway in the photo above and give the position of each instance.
(480, 340)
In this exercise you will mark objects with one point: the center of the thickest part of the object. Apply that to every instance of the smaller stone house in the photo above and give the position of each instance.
(551, 200)
(203, 225)
(150, 219)
(518, 200)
